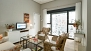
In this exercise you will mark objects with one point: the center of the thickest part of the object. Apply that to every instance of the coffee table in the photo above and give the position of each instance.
(24, 39)
(29, 40)
(36, 42)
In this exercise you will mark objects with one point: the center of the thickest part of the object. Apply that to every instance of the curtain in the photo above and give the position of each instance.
(45, 18)
(78, 15)
(78, 11)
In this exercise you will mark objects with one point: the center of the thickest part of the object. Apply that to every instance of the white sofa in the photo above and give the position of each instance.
(5, 45)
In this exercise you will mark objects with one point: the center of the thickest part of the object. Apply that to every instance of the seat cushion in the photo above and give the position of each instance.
(6, 46)
(41, 34)
(26, 49)
(4, 39)
(54, 48)
(53, 42)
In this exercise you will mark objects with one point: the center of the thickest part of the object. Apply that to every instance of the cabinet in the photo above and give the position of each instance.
(80, 36)
(14, 36)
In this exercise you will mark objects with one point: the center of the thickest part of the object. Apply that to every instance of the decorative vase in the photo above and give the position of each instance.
(9, 29)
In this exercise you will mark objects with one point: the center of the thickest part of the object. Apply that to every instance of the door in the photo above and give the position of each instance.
(36, 24)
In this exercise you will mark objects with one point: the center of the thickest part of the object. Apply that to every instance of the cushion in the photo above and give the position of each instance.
(49, 39)
(41, 34)
(4, 39)
(53, 42)
(6, 46)
(26, 49)
(54, 48)
(54, 38)
(1, 36)
(1, 41)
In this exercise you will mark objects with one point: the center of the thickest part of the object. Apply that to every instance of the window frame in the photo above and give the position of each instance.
(58, 11)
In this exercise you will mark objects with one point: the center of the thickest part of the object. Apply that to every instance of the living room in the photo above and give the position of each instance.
(12, 11)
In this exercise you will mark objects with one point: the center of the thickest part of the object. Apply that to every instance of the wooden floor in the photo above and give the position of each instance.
(71, 45)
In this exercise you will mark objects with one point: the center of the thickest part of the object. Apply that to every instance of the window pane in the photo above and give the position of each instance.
(71, 31)
(59, 23)
(48, 18)
(71, 16)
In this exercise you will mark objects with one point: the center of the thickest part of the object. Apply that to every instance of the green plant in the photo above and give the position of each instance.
(9, 26)
(77, 23)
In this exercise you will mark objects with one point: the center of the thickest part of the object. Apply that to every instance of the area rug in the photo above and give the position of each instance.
(38, 49)
(33, 47)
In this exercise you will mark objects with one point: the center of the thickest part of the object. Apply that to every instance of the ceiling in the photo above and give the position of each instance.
(42, 1)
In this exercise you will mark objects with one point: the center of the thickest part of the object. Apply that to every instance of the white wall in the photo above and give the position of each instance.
(11, 11)
(57, 4)
(88, 25)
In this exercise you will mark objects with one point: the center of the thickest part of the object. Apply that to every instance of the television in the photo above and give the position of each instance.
(21, 25)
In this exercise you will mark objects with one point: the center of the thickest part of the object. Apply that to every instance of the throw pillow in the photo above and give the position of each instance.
(1, 36)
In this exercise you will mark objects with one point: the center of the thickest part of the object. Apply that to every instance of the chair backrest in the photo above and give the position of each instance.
(46, 30)
(62, 39)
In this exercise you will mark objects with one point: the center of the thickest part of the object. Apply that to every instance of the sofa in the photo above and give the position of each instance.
(5, 45)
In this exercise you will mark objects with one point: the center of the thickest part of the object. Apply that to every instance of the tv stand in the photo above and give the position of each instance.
(24, 30)
(14, 36)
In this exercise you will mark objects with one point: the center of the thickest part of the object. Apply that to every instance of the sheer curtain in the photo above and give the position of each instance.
(78, 15)
(78, 11)
(44, 17)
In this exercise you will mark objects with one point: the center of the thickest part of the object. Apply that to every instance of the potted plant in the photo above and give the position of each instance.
(76, 24)
(9, 26)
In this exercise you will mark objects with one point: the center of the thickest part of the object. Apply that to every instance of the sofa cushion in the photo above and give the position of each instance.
(54, 38)
(54, 48)
(1, 36)
(4, 39)
(41, 34)
(6, 46)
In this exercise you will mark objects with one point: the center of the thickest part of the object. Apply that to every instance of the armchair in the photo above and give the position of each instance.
(42, 35)
(56, 45)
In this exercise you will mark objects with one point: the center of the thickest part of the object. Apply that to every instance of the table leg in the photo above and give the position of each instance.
(36, 48)
(20, 40)
(23, 44)
(26, 43)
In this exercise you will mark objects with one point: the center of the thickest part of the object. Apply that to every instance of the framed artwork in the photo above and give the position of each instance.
(26, 18)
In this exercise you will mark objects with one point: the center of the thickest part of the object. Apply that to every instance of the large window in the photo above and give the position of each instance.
(61, 21)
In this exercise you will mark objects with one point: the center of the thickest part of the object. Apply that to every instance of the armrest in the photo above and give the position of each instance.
(49, 43)
(54, 38)
(5, 38)
(47, 46)
(17, 47)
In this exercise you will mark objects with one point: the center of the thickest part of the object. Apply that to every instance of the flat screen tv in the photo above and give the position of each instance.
(20, 26)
